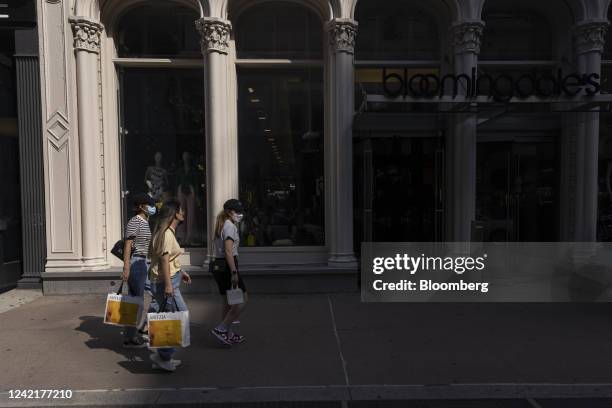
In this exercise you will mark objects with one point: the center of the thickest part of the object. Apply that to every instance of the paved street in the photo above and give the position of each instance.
(329, 348)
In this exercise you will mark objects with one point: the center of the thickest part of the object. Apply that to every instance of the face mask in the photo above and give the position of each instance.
(151, 209)
(238, 217)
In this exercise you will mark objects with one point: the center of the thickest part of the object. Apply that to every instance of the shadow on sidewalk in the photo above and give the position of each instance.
(104, 336)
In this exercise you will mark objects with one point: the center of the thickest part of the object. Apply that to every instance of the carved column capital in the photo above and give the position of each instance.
(590, 37)
(86, 34)
(466, 37)
(215, 34)
(342, 34)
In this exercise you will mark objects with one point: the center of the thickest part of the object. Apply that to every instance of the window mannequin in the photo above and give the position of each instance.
(156, 178)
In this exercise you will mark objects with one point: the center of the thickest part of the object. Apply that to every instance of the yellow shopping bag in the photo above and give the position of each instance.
(169, 329)
(122, 310)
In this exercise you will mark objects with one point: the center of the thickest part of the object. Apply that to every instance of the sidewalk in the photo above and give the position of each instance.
(316, 348)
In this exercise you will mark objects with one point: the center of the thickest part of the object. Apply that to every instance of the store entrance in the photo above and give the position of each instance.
(399, 189)
(517, 190)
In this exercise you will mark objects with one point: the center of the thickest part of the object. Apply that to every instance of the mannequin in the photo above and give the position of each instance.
(156, 178)
(187, 179)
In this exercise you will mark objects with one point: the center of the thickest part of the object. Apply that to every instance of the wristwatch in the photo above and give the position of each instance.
(234, 272)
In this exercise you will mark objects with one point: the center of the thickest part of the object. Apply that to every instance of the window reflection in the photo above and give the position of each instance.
(281, 156)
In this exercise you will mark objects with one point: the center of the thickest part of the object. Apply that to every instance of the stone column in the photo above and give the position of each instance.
(221, 143)
(461, 139)
(87, 47)
(588, 47)
(339, 143)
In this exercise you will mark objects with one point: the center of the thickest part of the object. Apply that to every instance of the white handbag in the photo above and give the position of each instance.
(235, 297)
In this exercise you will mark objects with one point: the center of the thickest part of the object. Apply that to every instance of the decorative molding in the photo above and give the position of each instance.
(466, 37)
(342, 35)
(86, 34)
(58, 129)
(590, 37)
(215, 34)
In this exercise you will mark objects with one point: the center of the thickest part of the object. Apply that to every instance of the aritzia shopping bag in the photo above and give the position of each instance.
(168, 329)
(122, 310)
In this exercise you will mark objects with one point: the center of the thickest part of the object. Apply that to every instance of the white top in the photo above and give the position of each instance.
(230, 231)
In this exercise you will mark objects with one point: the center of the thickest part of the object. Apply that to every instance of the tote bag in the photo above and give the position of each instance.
(122, 310)
(168, 329)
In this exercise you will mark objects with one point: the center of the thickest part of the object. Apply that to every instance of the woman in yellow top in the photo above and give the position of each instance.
(165, 273)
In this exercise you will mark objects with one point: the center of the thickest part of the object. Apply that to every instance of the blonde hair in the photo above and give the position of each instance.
(163, 222)
(221, 218)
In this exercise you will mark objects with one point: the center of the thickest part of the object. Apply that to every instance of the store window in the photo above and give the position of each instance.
(10, 206)
(159, 29)
(280, 126)
(162, 114)
(397, 30)
(515, 35)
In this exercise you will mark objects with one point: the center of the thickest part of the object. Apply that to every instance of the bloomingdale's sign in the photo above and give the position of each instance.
(501, 87)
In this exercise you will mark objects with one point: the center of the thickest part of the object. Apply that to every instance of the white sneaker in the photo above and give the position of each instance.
(159, 363)
(174, 362)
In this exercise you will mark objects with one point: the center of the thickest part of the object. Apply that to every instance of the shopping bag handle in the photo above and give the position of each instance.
(162, 309)
(120, 288)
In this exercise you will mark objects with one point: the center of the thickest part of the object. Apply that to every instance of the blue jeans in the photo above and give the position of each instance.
(136, 286)
(157, 290)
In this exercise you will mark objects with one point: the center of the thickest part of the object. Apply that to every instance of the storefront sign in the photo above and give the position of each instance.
(501, 87)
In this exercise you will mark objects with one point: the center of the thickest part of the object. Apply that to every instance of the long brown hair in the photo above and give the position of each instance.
(164, 220)
(221, 217)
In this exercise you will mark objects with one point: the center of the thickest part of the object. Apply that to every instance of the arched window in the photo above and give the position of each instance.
(157, 30)
(162, 111)
(280, 124)
(279, 30)
(515, 35)
(395, 30)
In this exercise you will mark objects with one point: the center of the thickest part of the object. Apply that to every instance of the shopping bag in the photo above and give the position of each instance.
(122, 310)
(168, 329)
(235, 296)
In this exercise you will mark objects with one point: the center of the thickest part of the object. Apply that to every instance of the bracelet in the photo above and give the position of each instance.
(234, 272)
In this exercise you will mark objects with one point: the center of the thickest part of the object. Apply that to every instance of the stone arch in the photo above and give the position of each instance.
(110, 11)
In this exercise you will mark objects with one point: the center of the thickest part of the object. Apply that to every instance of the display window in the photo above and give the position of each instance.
(280, 126)
(162, 116)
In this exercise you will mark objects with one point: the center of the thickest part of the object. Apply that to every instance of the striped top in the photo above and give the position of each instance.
(138, 229)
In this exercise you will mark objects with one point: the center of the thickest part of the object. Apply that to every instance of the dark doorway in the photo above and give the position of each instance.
(399, 189)
(517, 190)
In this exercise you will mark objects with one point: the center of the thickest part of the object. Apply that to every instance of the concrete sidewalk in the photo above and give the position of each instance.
(317, 348)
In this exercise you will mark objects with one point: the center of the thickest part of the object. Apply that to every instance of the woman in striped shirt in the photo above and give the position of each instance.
(135, 266)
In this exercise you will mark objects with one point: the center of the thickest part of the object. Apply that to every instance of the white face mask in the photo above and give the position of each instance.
(237, 217)
(151, 209)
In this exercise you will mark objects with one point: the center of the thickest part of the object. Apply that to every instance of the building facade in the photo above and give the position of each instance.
(329, 119)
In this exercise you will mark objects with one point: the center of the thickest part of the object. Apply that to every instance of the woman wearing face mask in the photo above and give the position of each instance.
(227, 276)
(166, 273)
(137, 238)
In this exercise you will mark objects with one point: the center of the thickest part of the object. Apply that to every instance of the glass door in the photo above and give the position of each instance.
(399, 189)
(517, 190)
